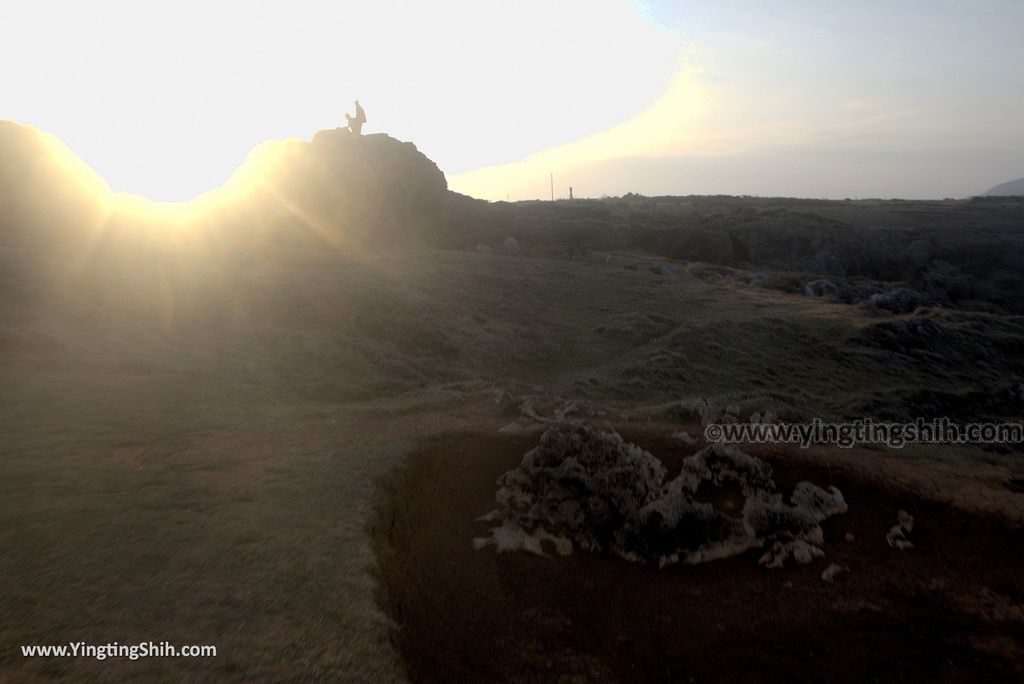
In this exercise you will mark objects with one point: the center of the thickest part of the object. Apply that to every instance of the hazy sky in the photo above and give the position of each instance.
(165, 99)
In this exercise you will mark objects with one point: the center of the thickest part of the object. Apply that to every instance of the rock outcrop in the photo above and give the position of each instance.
(342, 188)
(587, 488)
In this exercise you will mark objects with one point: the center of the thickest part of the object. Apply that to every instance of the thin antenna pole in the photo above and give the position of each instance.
(552, 187)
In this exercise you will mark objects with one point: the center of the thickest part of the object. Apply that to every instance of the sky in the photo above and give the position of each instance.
(906, 98)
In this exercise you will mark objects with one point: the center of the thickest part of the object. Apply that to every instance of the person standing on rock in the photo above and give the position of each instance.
(355, 123)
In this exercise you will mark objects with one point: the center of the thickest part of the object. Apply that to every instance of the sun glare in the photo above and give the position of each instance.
(678, 122)
(166, 99)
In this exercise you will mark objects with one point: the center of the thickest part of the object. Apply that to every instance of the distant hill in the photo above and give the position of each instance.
(1014, 187)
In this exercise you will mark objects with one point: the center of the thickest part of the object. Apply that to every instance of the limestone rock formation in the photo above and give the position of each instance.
(584, 487)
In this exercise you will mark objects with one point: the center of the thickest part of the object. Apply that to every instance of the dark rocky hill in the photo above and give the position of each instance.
(341, 189)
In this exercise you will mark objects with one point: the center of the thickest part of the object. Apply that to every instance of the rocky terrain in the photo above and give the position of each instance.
(591, 489)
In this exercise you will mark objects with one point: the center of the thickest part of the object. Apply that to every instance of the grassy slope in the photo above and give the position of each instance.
(137, 514)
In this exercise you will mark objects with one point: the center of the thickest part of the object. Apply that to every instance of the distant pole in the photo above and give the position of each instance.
(570, 192)
(552, 187)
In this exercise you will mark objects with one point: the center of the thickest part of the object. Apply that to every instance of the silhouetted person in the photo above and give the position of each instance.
(355, 123)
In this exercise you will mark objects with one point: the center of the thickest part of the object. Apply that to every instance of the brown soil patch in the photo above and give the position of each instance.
(948, 610)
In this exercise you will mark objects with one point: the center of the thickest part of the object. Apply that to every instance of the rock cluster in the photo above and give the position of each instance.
(344, 189)
(587, 488)
(897, 300)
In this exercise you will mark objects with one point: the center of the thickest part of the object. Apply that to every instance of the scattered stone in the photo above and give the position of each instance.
(708, 411)
(849, 537)
(562, 411)
(558, 413)
(991, 605)
(898, 535)
(797, 549)
(526, 408)
(505, 401)
(819, 502)
(510, 247)
(821, 288)
(829, 573)
(766, 417)
(900, 300)
(517, 428)
(684, 437)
